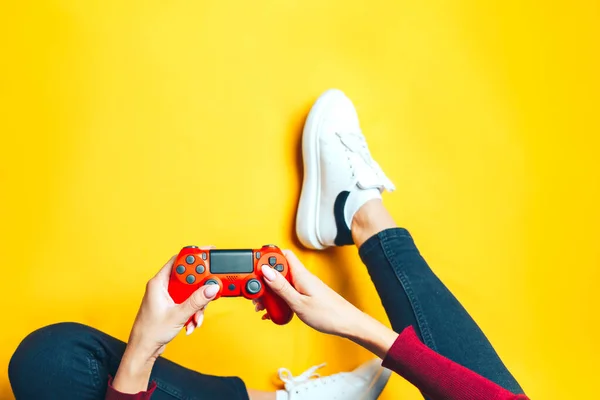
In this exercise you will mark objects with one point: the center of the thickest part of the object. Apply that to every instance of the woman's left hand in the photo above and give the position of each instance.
(158, 321)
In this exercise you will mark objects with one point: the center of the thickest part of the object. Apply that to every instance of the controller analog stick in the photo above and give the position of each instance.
(253, 286)
(211, 282)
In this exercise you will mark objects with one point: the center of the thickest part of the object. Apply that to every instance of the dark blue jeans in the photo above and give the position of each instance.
(73, 361)
(413, 295)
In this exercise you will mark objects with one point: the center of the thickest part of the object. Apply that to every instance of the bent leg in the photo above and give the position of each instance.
(70, 360)
(412, 294)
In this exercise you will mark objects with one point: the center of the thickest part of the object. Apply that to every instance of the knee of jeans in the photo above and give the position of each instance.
(47, 351)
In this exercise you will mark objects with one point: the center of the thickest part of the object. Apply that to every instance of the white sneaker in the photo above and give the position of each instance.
(339, 173)
(364, 383)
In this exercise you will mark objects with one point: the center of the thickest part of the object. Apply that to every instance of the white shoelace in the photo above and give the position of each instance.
(292, 381)
(356, 144)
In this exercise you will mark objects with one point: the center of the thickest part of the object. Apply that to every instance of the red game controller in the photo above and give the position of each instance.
(237, 272)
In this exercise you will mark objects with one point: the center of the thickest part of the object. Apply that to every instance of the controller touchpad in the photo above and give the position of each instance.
(231, 262)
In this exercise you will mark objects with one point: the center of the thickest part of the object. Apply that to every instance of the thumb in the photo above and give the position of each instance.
(301, 277)
(280, 285)
(198, 300)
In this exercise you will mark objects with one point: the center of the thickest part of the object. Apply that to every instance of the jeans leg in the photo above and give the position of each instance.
(73, 361)
(413, 295)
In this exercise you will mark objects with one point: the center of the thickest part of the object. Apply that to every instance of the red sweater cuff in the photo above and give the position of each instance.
(437, 376)
(113, 394)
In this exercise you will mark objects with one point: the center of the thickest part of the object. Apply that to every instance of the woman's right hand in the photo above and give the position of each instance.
(315, 303)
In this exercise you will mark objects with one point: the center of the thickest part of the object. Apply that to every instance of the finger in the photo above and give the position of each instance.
(195, 322)
(190, 329)
(266, 316)
(258, 305)
(280, 285)
(197, 301)
(165, 271)
(305, 279)
(199, 318)
(295, 264)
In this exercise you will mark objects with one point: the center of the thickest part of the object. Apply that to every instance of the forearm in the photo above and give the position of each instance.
(371, 334)
(432, 373)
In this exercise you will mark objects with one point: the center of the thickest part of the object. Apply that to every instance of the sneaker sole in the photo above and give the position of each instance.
(307, 218)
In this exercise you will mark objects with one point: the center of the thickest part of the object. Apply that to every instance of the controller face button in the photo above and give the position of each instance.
(200, 269)
(190, 247)
(204, 256)
(211, 282)
(279, 267)
(231, 286)
(253, 286)
(180, 269)
(190, 279)
(190, 259)
(257, 255)
(272, 261)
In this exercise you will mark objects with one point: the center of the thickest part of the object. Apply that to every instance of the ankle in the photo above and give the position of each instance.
(369, 220)
(261, 395)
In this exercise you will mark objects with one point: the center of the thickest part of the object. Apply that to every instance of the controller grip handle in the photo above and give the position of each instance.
(278, 310)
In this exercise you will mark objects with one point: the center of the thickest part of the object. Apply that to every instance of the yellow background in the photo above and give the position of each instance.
(131, 128)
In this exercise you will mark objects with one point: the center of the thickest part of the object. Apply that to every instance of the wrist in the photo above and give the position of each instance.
(140, 356)
(371, 334)
(135, 369)
(141, 349)
(354, 325)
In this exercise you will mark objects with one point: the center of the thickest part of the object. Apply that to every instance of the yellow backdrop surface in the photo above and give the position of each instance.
(131, 128)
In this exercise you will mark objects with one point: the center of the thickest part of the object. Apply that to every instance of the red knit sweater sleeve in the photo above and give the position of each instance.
(113, 394)
(438, 377)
